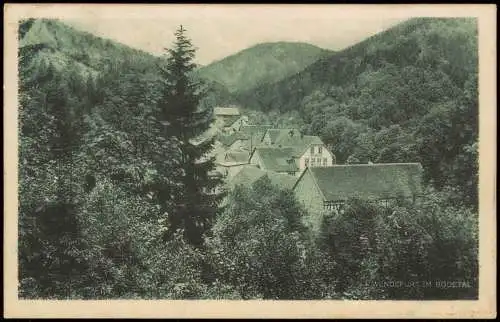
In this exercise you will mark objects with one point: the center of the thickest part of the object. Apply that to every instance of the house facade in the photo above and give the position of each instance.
(316, 155)
(326, 189)
(306, 150)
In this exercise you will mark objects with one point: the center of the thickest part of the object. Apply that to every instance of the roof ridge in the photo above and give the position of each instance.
(371, 165)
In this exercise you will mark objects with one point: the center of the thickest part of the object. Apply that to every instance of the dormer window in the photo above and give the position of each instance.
(312, 150)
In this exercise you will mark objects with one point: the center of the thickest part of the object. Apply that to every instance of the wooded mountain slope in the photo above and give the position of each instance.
(408, 94)
(447, 45)
(262, 64)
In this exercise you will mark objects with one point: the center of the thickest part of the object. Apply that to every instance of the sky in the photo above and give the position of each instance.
(218, 31)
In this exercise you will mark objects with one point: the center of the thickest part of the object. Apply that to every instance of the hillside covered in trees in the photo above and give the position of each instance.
(113, 202)
(261, 64)
(406, 94)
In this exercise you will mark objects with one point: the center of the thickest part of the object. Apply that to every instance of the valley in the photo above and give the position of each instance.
(283, 171)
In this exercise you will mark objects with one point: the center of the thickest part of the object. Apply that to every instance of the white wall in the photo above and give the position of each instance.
(321, 155)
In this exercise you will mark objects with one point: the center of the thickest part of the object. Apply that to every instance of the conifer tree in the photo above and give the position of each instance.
(182, 110)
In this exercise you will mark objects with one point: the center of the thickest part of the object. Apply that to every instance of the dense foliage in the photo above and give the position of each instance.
(106, 159)
(261, 64)
(409, 94)
(187, 119)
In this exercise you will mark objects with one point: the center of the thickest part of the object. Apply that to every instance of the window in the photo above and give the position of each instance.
(306, 162)
(312, 150)
(318, 161)
(313, 162)
(337, 206)
(325, 162)
(320, 149)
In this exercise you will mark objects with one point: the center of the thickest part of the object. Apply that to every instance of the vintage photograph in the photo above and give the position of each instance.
(248, 156)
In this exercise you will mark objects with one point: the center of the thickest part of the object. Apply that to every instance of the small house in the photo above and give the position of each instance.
(279, 160)
(229, 119)
(305, 150)
(250, 174)
(230, 162)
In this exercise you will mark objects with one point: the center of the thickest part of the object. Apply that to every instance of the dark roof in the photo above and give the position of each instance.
(293, 138)
(254, 132)
(368, 181)
(277, 159)
(227, 140)
(234, 157)
(247, 132)
(277, 135)
(250, 174)
(229, 120)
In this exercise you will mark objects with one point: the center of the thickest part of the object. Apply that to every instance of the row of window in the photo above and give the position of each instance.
(317, 162)
(338, 205)
(320, 149)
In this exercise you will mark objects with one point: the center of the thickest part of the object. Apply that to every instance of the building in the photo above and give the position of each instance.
(234, 142)
(327, 189)
(229, 119)
(230, 162)
(254, 134)
(245, 139)
(279, 160)
(250, 174)
(281, 136)
(289, 145)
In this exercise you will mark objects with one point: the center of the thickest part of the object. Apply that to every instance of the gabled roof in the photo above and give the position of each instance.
(277, 135)
(292, 138)
(247, 132)
(255, 132)
(227, 140)
(250, 174)
(207, 135)
(277, 159)
(231, 119)
(368, 181)
(233, 158)
(226, 111)
(301, 145)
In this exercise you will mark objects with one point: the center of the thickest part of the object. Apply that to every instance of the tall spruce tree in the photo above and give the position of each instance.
(187, 118)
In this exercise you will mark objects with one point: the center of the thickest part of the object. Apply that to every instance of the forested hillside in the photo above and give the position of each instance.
(261, 64)
(407, 94)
